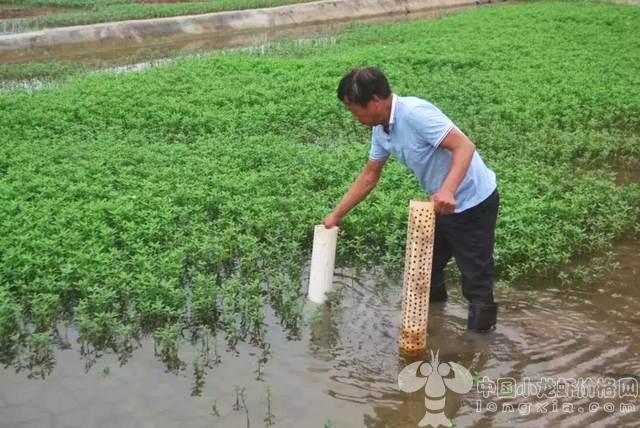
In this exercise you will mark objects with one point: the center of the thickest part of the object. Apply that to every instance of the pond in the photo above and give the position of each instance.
(342, 369)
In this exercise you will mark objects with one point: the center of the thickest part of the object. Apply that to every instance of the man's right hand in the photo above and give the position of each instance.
(332, 220)
(358, 190)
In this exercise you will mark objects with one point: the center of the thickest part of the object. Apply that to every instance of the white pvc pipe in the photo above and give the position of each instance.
(323, 259)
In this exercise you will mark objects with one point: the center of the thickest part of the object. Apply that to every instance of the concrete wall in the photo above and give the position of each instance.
(224, 22)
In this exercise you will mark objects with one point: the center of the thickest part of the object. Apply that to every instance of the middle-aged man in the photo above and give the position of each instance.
(462, 188)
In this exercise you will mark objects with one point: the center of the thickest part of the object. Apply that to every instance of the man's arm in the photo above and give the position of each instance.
(358, 190)
(462, 150)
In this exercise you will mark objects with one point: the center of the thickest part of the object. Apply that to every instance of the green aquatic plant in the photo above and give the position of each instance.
(184, 197)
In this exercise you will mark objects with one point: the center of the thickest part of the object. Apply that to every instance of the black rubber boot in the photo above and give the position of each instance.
(437, 294)
(482, 317)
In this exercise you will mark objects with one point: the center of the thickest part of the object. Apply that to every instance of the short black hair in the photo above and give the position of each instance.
(361, 84)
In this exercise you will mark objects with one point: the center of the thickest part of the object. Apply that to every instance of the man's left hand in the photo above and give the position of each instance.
(444, 202)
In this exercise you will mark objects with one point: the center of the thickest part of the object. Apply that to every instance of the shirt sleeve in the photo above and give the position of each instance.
(377, 151)
(430, 124)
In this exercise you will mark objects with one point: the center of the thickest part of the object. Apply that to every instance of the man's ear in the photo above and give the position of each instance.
(377, 102)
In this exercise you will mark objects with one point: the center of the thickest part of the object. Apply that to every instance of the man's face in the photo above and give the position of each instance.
(368, 115)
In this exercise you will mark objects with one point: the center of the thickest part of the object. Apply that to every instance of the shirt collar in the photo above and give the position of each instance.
(394, 100)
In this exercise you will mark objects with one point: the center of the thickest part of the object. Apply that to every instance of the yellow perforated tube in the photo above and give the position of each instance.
(417, 277)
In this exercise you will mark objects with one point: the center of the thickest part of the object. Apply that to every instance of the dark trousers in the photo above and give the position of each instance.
(468, 237)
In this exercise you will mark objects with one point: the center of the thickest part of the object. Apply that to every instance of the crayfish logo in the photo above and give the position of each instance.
(435, 379)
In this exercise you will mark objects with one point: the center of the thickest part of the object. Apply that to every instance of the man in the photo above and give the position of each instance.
(448, 167)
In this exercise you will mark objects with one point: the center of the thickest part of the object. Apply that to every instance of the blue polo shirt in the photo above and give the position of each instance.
(416, 129)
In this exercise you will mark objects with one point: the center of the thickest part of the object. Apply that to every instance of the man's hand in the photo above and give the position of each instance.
(358, 190)
(332, 220)
(444, 202)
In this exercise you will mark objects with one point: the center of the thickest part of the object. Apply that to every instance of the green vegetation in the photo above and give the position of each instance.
(184, 197)
(80, 12)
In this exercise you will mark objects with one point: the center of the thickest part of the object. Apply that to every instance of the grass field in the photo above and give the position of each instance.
(185, 196)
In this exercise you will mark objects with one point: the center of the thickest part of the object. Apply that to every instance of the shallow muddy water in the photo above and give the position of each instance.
(342, 370)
